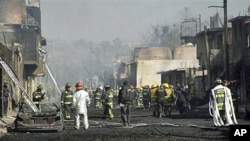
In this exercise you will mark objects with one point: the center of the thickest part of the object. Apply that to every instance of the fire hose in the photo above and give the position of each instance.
(229, 109)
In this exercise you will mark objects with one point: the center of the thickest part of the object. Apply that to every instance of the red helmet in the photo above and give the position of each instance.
(79, 85)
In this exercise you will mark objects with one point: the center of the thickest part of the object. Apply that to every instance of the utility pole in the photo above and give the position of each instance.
(226, 52)
(225, 40)
(208, 58)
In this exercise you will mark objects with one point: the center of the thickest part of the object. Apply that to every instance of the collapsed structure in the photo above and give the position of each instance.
(20, 44)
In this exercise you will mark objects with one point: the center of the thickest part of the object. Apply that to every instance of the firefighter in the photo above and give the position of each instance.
(169, 98)
(6, 95)
(152, 98)
(81, 101)
(67, 101)
(38, 96)
(221, 105)
(133, 95)
(98, 97)
(145, 97)
(181, 100)
(139, 97)
(191, 94)
(232, 85)
(108, 102)
(160, 100)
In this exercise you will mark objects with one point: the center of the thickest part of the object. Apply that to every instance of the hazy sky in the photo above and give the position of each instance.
(99, 20)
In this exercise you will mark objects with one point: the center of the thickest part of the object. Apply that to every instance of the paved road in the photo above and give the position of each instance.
(197, 125)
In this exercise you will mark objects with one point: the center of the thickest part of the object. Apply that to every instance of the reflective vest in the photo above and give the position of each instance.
(139, 94)
(109, 97)
(220, 98)
(67, 97)
(98, 95)
(37, 97)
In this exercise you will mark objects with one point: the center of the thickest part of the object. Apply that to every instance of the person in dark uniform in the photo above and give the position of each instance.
(125, 102)
(38, 96)
(67, 101)
(160, 100)
(6, 94)
(232, 85)
(181, 101)
(145, 97)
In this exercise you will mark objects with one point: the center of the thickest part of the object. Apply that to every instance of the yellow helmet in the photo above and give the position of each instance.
(154, 85)
(139, 87)
(165, 85)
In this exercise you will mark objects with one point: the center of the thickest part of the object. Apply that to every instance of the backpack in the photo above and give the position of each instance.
(160, 95)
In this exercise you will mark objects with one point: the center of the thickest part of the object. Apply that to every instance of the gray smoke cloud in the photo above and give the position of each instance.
(98, 20)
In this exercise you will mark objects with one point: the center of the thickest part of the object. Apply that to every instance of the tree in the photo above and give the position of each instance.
(164, 36)
(117, 42)
(152, 37)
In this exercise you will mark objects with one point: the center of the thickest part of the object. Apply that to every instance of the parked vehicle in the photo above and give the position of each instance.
(50, 118)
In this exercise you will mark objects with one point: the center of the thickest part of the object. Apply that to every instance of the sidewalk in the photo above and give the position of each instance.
(6, 121)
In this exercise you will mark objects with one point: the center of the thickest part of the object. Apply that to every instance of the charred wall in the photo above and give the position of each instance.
(12, 11)
(28, 40)
(34, 16)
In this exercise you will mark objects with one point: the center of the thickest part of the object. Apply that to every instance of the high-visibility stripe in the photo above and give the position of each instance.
(220, 98)
(69, 96)
(67, 103)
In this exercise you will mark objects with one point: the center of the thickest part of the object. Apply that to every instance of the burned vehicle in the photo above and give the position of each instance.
(50, 118)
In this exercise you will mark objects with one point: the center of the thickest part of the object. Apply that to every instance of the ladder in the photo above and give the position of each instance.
(53, 79)
(17, 83)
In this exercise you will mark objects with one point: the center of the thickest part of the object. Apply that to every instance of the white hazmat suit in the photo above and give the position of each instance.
(81, 101)
(230, 117)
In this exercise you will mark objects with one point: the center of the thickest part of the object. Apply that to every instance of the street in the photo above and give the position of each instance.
(196, 125)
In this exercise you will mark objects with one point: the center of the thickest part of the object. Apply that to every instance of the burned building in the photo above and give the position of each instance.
(21, 44)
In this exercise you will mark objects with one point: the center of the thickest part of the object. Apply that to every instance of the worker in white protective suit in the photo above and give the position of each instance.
(81, 101)
(221, 105)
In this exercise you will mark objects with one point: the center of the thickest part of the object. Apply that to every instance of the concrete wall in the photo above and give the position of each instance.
(148, 71)
(152, 53)
(185, 52)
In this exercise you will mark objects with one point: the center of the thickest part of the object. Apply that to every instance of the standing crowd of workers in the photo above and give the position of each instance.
(165, 98)
(161, 99)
